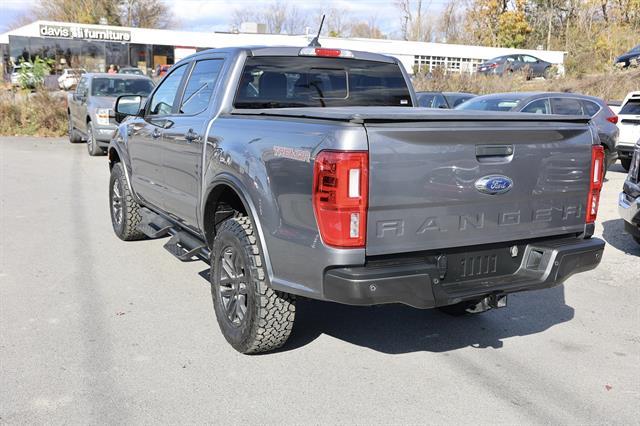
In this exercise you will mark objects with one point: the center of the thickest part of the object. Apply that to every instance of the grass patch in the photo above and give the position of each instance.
(41, 113)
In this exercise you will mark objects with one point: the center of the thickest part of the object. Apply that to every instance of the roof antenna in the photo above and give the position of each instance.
(315, 42)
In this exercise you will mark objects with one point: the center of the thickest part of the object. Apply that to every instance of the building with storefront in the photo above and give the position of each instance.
(95, 47)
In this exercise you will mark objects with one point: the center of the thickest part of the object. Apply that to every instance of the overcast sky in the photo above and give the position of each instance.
(215, 15)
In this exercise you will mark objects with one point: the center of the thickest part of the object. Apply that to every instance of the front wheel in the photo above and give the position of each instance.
(252, 316)
(125, 211)
(92, 145)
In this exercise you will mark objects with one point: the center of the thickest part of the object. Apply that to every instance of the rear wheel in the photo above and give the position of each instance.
(125, 211)
(547, 73)
(252, 316)
(626, 163)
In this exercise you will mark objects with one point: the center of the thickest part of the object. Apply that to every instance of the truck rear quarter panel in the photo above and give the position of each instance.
(272, 160)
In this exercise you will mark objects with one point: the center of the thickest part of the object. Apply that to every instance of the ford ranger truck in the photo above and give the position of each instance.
(308, 172)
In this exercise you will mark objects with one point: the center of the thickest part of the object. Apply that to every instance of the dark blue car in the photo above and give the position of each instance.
(631, 57)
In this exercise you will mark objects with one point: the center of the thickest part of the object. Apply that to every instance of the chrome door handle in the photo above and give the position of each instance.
(156, 133)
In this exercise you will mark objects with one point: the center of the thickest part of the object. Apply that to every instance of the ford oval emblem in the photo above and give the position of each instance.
(494, 184)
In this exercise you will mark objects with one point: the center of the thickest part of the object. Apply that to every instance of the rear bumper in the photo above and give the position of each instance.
(543, 264)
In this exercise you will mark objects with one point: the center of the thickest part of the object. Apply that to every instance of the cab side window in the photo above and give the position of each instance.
(199, 89)
(81, 89)
(164, 97)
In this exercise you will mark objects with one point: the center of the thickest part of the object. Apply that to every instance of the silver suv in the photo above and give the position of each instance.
(90, 107)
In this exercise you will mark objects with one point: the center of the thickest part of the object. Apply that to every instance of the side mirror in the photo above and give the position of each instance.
(127, 105)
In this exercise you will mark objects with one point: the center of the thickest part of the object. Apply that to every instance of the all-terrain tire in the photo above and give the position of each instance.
(74, 136)
(92, 145)
(124, 224)
(261, 318)
(626, 163)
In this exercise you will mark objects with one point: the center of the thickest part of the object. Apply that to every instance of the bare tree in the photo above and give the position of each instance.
(81, 11)
(448, 27)
(275, 16)
(337, 22)
(415, 23)
(146, 14)
(366, 29)
(295, 20)
(132, 13)
(241, 15)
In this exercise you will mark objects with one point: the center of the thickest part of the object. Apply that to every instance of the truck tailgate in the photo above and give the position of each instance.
(426, 186)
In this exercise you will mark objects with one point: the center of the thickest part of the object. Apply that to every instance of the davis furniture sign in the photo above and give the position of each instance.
(85, 33)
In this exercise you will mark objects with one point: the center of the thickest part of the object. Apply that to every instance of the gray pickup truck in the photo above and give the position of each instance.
(309, 172)
(90, 107)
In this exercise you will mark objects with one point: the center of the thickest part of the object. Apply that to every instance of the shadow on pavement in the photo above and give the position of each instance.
(616, 168)
(397, 329)
(614, 234)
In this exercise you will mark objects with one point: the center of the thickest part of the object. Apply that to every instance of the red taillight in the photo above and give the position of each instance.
(612, 117)
(595, 182)
(340, 187)
(493, 65)
(327, 52)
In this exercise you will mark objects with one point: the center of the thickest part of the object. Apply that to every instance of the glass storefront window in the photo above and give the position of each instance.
(93, 56)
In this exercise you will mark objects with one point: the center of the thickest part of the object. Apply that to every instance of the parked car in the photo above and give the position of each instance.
(631, 58)
(90, 106)
(534, 67)
(556, 103)
(131, 70)
(443, 100)
(629, 125)
(306, 172)
(70, 77)
(15, 75)
(629, 200)
(614, 106)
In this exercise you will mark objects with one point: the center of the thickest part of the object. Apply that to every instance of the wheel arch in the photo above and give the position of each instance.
(228, 191)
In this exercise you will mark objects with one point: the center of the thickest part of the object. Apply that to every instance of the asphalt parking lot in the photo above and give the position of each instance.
(95, 330)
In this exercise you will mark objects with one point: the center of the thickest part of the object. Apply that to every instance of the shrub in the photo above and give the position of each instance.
(33, 114)
(609, 85)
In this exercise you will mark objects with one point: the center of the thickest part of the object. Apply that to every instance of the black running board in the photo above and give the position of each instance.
(182, 244)
(153, 225)
(186, 247)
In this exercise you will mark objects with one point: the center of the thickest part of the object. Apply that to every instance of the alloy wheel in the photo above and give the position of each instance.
(233, 285)
(116, 202)
(90, 141)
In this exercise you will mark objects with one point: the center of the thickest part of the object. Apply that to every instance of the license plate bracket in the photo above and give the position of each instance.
(491, 262)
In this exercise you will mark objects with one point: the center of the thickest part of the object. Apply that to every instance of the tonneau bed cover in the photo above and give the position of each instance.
(406, 114)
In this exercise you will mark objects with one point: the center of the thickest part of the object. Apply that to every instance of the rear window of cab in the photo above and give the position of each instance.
(290, 82)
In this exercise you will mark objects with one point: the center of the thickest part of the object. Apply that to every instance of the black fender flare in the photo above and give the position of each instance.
(119, 147)
(240, 189)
